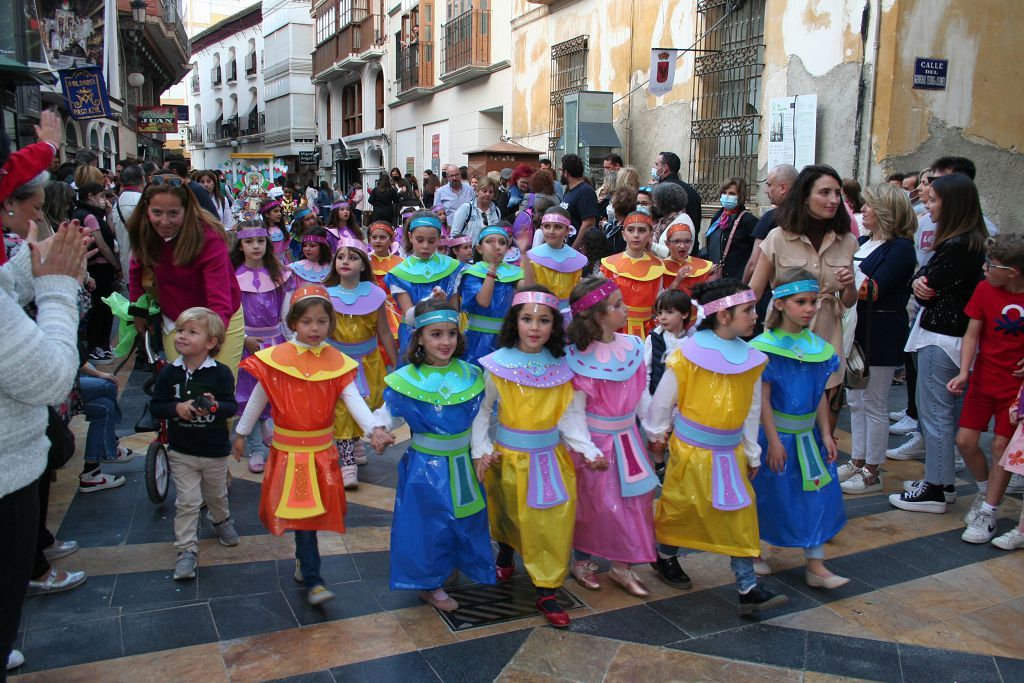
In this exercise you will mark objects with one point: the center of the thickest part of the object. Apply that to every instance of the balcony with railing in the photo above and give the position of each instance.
(415, 70)
(360, 35)
(215, 76)
(466, 46)
(213, 131)
(195, 133)
(254, 123)
(250, 65)
(195, 84)
(232, 75)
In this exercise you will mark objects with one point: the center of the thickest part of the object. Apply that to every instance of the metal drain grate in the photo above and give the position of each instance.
(488, 605)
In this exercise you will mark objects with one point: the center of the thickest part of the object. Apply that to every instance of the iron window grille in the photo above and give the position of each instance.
(568, 76)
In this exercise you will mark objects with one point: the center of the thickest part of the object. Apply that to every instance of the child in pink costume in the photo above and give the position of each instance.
(614, 507)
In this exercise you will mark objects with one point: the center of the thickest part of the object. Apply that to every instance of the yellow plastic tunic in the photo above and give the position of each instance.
(684, 515)
(560, 284)
(353, 329)
(542, 537)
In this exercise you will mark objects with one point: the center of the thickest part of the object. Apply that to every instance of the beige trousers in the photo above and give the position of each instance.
(196, 480)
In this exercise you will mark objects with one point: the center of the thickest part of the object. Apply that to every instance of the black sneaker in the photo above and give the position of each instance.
(948, 491)
(101, 357)
(759, 599)
(671, 573)
(923, 497)
(659, 471)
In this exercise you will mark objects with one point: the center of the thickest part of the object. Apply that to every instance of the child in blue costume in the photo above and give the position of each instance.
(486, 292)
(799, 503)
(440, 520)
(424, 274)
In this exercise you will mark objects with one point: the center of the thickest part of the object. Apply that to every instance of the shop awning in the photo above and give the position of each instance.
(15, 72)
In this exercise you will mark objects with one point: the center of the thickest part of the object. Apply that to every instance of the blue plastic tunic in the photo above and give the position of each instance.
(788, 515)
(428, 541)
(418, 291)
(480, 341)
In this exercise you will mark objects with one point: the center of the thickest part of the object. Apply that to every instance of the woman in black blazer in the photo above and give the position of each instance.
(884, 265)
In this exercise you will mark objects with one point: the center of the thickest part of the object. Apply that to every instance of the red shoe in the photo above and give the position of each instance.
(553, 612)
(505, 573)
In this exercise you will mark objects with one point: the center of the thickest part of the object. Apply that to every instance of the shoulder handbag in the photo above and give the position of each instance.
(718, 269)
(858, 371)
(62, 440)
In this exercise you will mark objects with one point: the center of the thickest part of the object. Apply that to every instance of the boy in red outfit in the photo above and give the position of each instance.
(996, 333)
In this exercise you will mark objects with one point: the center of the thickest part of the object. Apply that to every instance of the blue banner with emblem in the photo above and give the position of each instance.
(85, 92)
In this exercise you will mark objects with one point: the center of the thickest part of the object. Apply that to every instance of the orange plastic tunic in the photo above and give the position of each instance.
(700, 271)
(302, 487)
(381, 267)
(639, 280)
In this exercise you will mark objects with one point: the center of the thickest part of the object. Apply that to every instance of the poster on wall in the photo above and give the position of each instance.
(158, 119)
(792, 130)
(70, 32)
(663, 71)
(85, 93)
(435, 153)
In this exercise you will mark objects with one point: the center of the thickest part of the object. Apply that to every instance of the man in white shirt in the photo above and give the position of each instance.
(455, 193)
(133, 181)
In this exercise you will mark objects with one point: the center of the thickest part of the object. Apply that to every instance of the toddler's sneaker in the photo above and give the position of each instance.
(911, 449)
(923, 497)
(97, 481)
(226, 533)
(982, 529)
(318, 595)
(1011, 540)
(846, 470)
(948, 491)
(350, 476)
(185, 566)
(759, 599)
(905, 425)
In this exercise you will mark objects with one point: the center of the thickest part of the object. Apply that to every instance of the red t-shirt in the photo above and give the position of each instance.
(1001, 343)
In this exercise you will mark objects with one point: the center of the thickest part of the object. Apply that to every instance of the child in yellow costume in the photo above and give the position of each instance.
(531, 494)
(710, 398)
(553, 263)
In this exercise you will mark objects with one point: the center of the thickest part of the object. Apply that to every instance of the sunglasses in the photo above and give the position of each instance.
(171, 180)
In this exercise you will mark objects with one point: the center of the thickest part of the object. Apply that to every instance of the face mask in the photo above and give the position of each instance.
(729, 201)
(644, 208)
(654, 172)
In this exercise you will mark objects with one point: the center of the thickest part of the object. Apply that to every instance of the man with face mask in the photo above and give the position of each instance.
(666, 170)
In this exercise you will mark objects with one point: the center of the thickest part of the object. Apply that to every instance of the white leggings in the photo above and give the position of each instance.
(869, 416)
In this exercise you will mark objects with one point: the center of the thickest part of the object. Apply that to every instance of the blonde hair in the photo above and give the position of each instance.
(628, 177)
(88, 174)
(206, 319)
(895, 216)
(486, 182)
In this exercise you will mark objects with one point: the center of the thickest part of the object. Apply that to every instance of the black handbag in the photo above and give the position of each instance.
(62, 440)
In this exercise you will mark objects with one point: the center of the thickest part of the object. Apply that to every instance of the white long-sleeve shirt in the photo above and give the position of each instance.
(572, 425)
(658, 421)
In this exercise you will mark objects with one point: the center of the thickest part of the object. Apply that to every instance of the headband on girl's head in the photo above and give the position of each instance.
(301, 213)
(272, 204)
(459, 241)
(556, 218)
(677, 227)
(442, 316)
(438, 207)
(491, 230)
(251, 232)
(637, 217)
(542, 298)
(425, 222)
(798, 287)
(603, 291)
(340, 205)
(316, 239)
(737, 299)
(310, 292)
(351, 244)
(383, 225)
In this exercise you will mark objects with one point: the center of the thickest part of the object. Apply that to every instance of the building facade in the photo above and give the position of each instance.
(452, 89)
(224, 91)
(349, 64)
(857, 58)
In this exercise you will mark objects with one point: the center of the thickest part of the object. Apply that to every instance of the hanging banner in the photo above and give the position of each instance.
(85, 93)
(159, 119)
(663, 71)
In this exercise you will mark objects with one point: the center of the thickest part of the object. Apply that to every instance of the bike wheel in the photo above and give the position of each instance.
(158, 472)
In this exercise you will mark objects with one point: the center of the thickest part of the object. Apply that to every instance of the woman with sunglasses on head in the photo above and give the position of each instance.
(180, 250)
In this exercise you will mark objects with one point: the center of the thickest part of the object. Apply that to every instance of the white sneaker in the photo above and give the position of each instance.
(982, 529)
(979, 498)
(912, 448)
(896, 417)
(906, 425)
(350, 476)
(1011, 540)
(15, 659)
(846, 470)
(862, 482)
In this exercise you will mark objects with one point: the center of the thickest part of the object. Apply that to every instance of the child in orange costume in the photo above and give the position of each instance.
(382, 259)
(303, 379)
(637, 273)
(683, 271)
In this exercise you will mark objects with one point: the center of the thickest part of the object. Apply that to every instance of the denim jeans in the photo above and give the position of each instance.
(307, 552)
(102, 413)
(869, 416)
(938, 413)
(742, 567)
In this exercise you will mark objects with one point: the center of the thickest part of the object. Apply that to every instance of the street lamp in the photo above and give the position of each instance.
(139, 11)
(135, 78)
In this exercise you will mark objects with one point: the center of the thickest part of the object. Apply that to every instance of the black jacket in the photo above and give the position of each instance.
(740, 249)
(953, 272)
(206, 436)
(889, 267)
